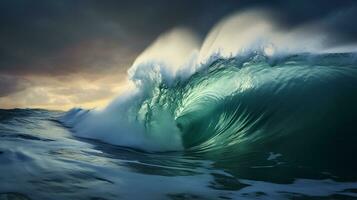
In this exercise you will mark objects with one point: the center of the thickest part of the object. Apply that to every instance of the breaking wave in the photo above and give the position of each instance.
(246, 88)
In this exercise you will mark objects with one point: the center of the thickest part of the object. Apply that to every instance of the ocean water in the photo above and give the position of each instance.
(243, 127)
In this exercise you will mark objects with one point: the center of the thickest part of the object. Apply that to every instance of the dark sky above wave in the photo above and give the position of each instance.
(64, 40)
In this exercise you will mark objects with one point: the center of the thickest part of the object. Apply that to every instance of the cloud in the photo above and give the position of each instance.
(64, 41)
(10, 85)
(62, 92)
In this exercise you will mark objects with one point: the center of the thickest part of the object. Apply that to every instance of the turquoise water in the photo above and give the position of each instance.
(247, 127)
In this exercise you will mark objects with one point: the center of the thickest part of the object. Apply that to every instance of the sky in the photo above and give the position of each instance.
(64, 54)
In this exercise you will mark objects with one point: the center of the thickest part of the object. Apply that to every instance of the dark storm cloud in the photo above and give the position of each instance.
(56, 38)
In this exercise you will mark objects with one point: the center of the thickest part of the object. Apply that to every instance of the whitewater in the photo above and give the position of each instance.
(254, 111)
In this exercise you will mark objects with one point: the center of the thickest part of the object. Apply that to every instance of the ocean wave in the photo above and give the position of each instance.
(223, 100)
